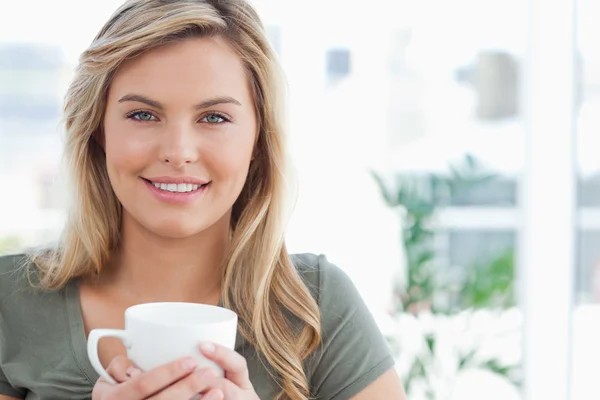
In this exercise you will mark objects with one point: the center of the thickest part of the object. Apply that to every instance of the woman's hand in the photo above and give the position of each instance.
(236, 384)
(179, 380)
(176, 380)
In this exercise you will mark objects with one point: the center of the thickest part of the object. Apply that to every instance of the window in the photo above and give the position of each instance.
(338, 63)
(29, 78)
(412, 91)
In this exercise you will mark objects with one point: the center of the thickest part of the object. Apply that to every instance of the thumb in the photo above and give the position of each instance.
(101, 388)
(122, 369)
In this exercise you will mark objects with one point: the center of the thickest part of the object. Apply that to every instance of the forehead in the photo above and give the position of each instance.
(190, 69)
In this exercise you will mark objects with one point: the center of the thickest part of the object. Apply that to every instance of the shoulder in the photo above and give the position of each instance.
(335, 293)
(12, 262)
(346, 323)
(324, 279)
(25, 309)
(13, 273)
(19, 294)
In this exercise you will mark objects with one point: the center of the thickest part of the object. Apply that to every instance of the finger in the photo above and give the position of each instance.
(235, 366)
(101, 388)
(118, 368)
(152, 382)
(214, 394)
(133, 372)
(189, 387)
(220, 385)
(211, 382)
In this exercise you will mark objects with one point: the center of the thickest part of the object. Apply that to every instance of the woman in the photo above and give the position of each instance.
(175, 140)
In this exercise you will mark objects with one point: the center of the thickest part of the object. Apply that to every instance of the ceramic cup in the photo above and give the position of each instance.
(158, 333)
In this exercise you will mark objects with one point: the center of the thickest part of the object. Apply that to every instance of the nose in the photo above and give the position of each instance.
(178, 146)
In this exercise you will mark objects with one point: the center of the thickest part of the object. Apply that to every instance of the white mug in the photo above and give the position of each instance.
(158, 333)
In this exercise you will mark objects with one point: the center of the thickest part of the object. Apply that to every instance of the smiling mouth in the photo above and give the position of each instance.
(177, 187)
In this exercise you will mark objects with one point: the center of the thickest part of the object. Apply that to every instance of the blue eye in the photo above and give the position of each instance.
(143, 116)
(214, 119)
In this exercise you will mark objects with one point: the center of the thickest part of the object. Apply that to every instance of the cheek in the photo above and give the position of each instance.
(125, 154)
(118, 163)
(230, 162)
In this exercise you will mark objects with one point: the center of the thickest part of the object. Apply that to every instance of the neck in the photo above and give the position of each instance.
(150, 268)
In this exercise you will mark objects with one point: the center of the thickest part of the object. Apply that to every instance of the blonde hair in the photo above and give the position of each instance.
(260, 282)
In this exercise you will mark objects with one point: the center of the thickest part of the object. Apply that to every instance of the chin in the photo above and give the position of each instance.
(175, 230)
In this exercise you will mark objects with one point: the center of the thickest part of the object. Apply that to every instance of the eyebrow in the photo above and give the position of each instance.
(205, 104)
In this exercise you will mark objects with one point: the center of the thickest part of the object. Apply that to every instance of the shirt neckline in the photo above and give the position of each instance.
(77, 331)
(77, 334)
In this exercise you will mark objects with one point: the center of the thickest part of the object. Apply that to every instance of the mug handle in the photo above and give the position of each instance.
(92, 348)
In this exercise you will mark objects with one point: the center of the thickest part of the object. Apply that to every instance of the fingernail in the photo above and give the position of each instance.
(208, 348)
(189, 364)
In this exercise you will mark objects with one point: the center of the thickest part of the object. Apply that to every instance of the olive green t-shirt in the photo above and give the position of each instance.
(43, 344)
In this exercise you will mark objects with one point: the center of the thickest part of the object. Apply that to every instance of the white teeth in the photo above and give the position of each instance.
(176, 187)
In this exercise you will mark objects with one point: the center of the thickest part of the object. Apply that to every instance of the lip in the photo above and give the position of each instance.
(174, 197)
(178, 179)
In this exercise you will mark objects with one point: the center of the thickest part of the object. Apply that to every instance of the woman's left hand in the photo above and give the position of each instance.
(236, 384)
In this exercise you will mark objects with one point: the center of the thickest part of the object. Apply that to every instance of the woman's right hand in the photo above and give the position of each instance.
(179, 380)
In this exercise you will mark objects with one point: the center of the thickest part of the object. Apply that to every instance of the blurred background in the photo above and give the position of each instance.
(447, 154)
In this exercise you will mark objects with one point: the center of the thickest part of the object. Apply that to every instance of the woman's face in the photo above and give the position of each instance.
(179, 134)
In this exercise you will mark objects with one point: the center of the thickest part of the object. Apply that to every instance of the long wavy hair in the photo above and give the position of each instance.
(277, 313)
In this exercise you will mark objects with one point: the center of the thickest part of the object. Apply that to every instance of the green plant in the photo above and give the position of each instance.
(429, 286)
(420, 197)
(436, 349)
(490, 283)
